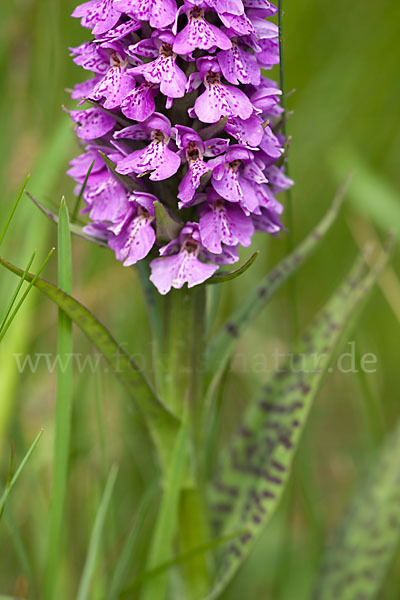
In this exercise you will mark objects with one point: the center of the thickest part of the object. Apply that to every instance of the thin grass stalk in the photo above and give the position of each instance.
(289, 204)
(62, 416)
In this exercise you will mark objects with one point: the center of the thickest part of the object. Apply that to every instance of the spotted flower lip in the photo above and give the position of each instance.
(180, 262)
(224, 222)
(163, 70)
(134, 234)
(182, 109)
(156, 159)
(199, 33)
(99, 15)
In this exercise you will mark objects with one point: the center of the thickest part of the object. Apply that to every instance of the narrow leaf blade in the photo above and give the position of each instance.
(163, 425)
(222, 346)
(234, 274)
(95, 540)
(165, 527)
(62, 432)
(255, 468)
(357, 560)
(7, 491)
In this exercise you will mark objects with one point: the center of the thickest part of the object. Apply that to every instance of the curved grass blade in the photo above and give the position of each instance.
(255, 468)
(62, 432)
(13, 209)
(17, 290)
(14, 479)
(120, 570)
(363, 547)
(222, 346)
(229, 276)
(167, 520)
(20, 551)
(75, 229)
(32, 281)
(162, 424)
(79, 198)
(95, 540)
(181, 559)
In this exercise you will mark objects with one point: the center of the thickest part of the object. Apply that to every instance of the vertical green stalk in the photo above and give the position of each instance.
(63, 414)
(289, 207)
(181, 390)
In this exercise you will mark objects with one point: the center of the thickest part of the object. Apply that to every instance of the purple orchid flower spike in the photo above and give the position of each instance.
(156, 159)
(188, 121)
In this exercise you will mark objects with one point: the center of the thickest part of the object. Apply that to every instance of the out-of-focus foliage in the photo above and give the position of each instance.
(342, 59)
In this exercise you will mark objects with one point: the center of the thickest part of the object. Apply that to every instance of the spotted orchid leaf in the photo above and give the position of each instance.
(222, 346)
(364, 545)
(256, 466)
(162, 424)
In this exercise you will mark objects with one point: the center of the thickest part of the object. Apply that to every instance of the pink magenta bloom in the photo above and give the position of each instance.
(178, 102)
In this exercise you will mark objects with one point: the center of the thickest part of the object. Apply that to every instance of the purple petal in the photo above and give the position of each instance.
(165, 72)
(98, 15)
(239, 66)
(221, 100)
(134, 242)
(114, 87)
(225, 223)
(199, 34)
(247, 131)
(178, 269)
(191, 181)
(160, 13)
(156, 159)
(92, 123)
(139, 105)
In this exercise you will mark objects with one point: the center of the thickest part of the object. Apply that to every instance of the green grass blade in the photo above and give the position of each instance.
(79, 198)
(7, 491)
(121, 568)
(32, 281)
(63, 412)
(96, 537)
(181, 559)
(20, 551)
(17, 290)
(222, 346)
(364, 545)
(167, 520)
(255, 469)
(13, 209)
(75, 228)
(162, 424)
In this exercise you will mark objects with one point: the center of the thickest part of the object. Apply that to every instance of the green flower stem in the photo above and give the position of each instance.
(181, 391)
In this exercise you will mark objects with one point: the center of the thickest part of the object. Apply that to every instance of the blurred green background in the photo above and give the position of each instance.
(342, 63)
